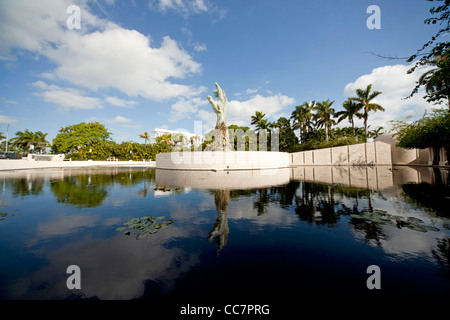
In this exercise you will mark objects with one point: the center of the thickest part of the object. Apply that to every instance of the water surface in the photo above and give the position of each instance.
(244, 236)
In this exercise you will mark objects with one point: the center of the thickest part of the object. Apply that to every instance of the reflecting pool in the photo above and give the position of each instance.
(245, 236)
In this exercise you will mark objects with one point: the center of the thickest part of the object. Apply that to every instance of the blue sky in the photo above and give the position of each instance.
(140, 65)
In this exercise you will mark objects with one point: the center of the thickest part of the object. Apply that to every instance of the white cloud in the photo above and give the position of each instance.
(199, 47)
(6, 119)
(37, 25)
(118, 120)
(208, 119)
(184, 108)
(251, 91)
(395, 84)
(100, 55)
(120, 102)
(66, 98)
(124, 60)
(240, 112)
(9, 101)
(248, 92)
(188, 7)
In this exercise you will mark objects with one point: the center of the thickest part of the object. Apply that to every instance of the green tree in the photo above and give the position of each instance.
(84, 191)
(287, 138)
(25, 139)
(242, 135)
(437, 80)
(83, 135)
(375, 132)
(324, 115)
(302, 118)
(351, 110)
(428, 132)
(363, 99)
(259, 122)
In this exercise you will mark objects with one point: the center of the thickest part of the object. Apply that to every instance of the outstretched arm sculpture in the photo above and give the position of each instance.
(221, 129)
(219, 106)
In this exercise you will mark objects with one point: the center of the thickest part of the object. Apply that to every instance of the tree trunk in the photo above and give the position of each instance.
(365, 129)
(353, 127)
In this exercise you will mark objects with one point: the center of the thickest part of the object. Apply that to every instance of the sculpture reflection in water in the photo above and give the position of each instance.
(220, 230)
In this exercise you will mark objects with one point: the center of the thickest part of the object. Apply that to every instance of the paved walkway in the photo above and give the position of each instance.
(6, 164)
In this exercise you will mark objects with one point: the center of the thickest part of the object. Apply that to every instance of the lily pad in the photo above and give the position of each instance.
(414, 220)
(145, 226)
(383, 217)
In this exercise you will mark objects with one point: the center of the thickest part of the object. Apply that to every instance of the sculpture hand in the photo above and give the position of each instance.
(213, 104)
(221, 95)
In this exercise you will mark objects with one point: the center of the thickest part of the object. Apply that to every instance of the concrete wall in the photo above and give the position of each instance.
(219, 160)
(6, 164)
(374, 153)
(403, 156)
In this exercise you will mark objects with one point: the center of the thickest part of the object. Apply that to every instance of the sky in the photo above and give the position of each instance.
(144, 64)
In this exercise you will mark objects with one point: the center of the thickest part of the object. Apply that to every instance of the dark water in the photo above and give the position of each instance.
(248, 243)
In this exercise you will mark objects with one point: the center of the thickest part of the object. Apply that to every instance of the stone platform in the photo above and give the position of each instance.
(222, 160)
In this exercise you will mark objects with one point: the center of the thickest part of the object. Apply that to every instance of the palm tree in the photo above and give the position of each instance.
(302, 116)
(351, 109)
(24, 139)
(324, 115)
(145, 136)
(364, 98)
(257, 118)
(259, 122)
(2, 136)
(376, 132)
(167, 140)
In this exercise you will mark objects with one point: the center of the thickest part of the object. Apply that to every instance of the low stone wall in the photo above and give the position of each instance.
(26, 164)
(222, 160)
(373, 153)
(45, 157)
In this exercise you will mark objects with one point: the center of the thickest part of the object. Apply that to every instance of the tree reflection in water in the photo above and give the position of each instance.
(315, 203)
(84, 188)
(442, 256)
